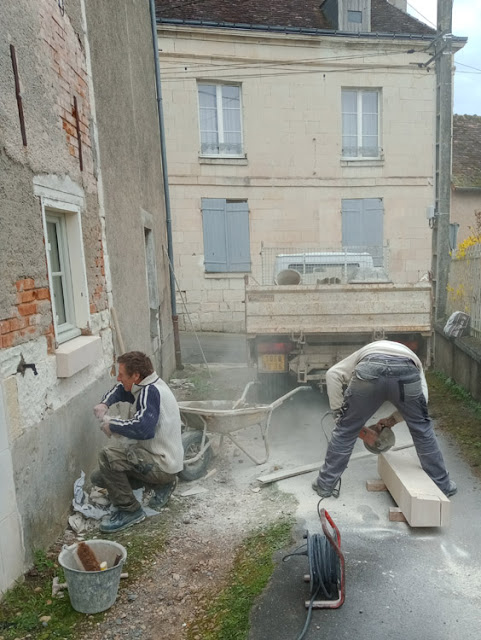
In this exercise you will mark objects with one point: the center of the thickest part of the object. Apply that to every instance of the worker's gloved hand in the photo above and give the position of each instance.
(105, 426)
(100, 410)
(384, 422)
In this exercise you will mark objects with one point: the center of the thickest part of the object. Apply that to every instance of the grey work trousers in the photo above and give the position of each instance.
(126, 469)
(375, 380)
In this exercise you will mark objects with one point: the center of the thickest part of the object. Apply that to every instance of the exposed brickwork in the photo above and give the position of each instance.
(69, 73)
(31, 316)
(69, 68)
(98, 296)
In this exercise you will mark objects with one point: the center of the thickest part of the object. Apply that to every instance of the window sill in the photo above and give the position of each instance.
(222, 274)
(76, 354)
(233, 160)
(68, 334)
(365, 162)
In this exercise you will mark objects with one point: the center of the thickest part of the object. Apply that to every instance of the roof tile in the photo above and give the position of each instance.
(385, 18)
(467, 151)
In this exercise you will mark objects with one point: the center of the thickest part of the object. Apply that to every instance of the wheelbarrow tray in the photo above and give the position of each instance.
(221, 417)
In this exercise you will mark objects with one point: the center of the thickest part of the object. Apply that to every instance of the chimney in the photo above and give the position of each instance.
(349, 15)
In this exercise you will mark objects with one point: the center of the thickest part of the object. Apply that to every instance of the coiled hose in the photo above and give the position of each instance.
(324, 571)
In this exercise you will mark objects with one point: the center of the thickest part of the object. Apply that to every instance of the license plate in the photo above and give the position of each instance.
(273, 362)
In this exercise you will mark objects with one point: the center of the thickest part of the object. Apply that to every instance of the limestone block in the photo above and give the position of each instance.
(11, 551)
(75, 355)
(420, 500)
(14, 421)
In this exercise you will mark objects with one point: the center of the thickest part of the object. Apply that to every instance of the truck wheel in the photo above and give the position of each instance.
(191, 441)
(272, 386)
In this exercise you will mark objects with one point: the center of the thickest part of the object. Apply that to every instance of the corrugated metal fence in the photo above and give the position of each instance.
(464, 288)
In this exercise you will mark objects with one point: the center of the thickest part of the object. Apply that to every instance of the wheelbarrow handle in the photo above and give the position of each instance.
(280, 400)
(241, 400)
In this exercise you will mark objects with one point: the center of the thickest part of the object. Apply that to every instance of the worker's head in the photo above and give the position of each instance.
(134, 366)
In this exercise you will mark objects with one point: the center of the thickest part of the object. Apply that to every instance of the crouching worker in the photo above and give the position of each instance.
(148, 451)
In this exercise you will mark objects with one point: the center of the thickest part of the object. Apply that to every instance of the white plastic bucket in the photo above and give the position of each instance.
(93, 591)
(288, 276)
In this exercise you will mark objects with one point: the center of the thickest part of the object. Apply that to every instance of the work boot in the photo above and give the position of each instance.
(451, 490)
(325, 493)
(121, 520)
(162, 495)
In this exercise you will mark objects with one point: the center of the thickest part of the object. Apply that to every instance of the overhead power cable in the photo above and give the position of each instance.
(203, 67)
(423, 17)
(247, 76)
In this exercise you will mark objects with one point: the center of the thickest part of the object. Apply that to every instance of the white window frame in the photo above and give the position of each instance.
(220, 119)
(359, 91)
(68, 219)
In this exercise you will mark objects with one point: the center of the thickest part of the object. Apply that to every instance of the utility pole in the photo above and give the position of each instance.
(441, 258)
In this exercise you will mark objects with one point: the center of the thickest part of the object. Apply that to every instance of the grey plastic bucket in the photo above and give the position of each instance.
(288, 276)
(93, 591)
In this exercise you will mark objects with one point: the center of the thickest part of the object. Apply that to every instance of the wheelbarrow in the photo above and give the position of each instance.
(223, 417)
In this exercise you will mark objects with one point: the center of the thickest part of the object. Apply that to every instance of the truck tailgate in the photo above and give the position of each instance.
(338, 308)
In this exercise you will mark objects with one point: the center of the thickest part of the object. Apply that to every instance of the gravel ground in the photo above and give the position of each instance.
(203, 533)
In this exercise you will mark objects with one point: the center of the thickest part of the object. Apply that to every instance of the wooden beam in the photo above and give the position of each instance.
(376, 485)
(282, 474)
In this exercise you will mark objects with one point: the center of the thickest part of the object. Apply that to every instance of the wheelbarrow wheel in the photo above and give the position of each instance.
(192, 442)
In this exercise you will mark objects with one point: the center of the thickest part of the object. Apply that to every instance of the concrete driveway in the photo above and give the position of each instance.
(401, 583)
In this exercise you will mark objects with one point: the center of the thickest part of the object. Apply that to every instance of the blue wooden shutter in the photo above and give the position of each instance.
(352, 233)
(214, 226)
(362, 226)
(238, 242)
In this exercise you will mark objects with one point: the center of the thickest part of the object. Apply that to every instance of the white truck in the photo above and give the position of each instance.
(322, 306)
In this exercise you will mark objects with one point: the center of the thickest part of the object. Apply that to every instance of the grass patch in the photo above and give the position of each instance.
(28, 601)
(227, 616)
(457, 414)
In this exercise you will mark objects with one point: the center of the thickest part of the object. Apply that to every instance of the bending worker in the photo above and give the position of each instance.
(381, 371)
(148, 451)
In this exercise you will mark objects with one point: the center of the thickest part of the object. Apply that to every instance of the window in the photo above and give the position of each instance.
(66, 268)
(220, 119)
(226, 235)
(360, 123)
(60, 278)
(354, 16)
(362, 227)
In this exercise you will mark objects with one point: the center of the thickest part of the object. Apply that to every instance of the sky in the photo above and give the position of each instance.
(466, 22)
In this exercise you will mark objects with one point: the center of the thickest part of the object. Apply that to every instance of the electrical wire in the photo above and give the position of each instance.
(324, 571)
(423, 17)
(223, 66)
(235, 78)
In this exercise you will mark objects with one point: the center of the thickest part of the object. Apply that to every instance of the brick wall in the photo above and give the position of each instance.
(31, 317)
(64, 78)
(67, 62)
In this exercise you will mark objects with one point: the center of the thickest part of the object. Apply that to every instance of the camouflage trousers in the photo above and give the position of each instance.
(123, 470)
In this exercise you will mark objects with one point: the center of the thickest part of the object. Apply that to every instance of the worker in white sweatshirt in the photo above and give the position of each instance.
(357, 386)
(147, 449)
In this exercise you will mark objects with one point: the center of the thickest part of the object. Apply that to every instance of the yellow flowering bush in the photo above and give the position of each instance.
(474, 238)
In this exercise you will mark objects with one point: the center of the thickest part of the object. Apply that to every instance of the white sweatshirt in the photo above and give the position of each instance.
(340, 374)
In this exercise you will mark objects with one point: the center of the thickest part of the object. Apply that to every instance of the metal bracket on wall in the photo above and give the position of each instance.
(23, 366)
(18, 95)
